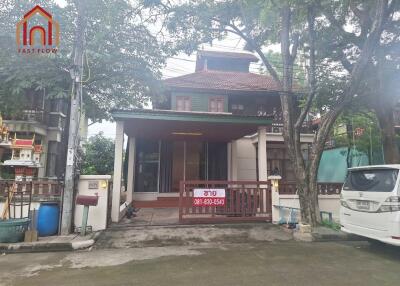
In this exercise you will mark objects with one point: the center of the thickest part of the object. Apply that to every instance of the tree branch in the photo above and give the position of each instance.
(295, 46)
(255, 47)
(311, 72)
(331, 18)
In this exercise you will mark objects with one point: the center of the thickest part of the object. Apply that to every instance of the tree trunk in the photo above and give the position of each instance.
(386, 123)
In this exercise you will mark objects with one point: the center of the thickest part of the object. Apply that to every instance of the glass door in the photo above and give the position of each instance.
(178, 166)
(147, 165)
(195, 167)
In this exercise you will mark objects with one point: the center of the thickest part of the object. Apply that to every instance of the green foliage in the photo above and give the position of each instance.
(99, 156)
(331, 224)
(369, 140)
(122, 55)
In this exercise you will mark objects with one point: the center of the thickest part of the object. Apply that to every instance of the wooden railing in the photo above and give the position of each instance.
(245, 201)
(41, 189)
(286, 188)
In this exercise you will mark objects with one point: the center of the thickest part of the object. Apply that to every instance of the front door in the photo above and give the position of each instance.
(189, 162)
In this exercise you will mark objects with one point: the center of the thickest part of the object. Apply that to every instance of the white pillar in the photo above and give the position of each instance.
(229, 161)
(131, 170)
(234, 161)
(262, 154)
(119, 148)
(275, 198)
(262, 161)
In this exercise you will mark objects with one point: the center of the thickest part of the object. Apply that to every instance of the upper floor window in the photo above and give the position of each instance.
(216, 104)
(183, 103)
(237, 108)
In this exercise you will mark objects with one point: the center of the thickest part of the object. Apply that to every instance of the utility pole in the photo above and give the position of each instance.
(76, 72)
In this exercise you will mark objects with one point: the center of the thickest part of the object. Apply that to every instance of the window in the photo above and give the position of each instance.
(237, 108)
(183, 103)
(371, 180)
(216, 104)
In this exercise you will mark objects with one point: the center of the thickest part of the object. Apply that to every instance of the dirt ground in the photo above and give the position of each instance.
(244, 260)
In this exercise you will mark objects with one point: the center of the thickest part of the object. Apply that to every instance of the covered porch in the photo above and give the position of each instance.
(165, 147)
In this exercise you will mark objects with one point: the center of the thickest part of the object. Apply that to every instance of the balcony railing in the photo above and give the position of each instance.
(29, 115)
(277, 127)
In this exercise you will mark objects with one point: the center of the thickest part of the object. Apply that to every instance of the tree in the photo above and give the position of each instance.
(297, 26)
(382, 80)
(122, 60)
(99, 156)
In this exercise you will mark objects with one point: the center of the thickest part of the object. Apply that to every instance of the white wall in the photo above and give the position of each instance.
(97, 214)
(328, 203)
(246, 160)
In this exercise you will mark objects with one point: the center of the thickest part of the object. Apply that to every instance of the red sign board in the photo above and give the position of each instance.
(209, 197)
(359, 131)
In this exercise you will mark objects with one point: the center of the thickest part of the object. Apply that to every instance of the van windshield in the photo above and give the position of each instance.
(372, 180)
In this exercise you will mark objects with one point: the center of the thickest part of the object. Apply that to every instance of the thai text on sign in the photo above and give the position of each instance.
(208, 197)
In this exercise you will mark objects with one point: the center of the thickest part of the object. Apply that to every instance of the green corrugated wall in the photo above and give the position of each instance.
(333, 166)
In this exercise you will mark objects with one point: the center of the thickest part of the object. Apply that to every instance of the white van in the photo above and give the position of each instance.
(370, 203)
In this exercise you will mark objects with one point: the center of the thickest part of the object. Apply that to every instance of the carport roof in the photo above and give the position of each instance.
(183, 125)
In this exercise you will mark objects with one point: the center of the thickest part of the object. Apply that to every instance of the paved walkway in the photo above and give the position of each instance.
(152, 216)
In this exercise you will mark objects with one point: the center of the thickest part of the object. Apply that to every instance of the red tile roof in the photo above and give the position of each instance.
(229, 55)
(223, 80)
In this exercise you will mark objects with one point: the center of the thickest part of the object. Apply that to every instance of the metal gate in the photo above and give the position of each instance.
(244, 201)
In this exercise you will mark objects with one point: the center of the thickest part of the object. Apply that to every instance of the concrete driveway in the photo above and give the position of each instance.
(257, 255)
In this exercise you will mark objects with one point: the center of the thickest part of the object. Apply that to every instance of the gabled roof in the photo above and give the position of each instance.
(223, 80)
(229, 55)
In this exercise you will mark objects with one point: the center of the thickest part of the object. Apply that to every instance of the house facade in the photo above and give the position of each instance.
(219, 123)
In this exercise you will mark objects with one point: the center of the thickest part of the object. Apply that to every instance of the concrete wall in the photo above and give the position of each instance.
(90, 185)
(327, 203)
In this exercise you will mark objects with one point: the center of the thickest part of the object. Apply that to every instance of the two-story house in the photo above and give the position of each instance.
(219, 123)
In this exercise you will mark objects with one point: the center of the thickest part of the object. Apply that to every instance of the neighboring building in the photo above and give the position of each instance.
(219, 123)
(25, 158)
(44, 120)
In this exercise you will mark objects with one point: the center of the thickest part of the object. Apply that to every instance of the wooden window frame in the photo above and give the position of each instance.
(217, 98)
(184, 98)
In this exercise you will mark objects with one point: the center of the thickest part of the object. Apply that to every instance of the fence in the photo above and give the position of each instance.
(41, 189)
(244, 201)
(286, 188)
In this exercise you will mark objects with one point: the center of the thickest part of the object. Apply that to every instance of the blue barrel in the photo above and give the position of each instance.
(48, 218)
